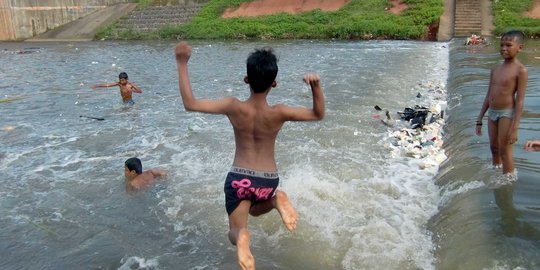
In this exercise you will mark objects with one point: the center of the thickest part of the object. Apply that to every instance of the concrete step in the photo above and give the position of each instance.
(458, 27)
(467, 17)
(458, 22)
(467, 7)
(458, 5)
(464, 31)
(469, 11)
(468, 23)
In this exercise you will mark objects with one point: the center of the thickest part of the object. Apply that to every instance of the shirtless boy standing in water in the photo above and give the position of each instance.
(126, 88)
(504, 99)
(250, 186)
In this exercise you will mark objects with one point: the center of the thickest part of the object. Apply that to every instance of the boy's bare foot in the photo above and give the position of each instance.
(286, 210)
(245, 258)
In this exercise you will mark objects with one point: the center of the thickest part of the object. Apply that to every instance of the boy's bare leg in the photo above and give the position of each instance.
(285, 209)
(493, 132)
(239, 235)
(505, 148)
(281, 202)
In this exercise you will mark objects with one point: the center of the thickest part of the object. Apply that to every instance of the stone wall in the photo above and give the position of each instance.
(22, 19)
(176, 2)
(152, 18)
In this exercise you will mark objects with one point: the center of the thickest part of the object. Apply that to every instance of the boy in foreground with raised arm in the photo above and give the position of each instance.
(126, 88)
(504, 99)
(250, 186)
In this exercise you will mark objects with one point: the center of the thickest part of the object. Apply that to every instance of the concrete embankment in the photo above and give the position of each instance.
(84, 29)
(23, 19)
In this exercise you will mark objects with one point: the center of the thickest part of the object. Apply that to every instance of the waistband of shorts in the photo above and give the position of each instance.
(250, 172)
(510, 110)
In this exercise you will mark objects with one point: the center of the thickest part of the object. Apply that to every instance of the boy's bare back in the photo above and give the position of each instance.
(255, 123)
(146, 178)
(256, 126)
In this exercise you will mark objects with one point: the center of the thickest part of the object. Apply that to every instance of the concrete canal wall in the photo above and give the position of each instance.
(23, 19)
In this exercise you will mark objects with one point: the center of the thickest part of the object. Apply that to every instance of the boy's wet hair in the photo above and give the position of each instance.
(134, 164)
(518, 35)
(262, 69)
(122, 75)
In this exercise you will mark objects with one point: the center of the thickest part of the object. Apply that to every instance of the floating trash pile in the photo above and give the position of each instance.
(418, 133)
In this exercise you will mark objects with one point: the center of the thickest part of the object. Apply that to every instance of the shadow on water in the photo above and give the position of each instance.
(481, 225)
(511, 223)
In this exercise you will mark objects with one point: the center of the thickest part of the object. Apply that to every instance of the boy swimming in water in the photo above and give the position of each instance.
(250, 186)
(126, 88)
(136, 177)
(504, 102)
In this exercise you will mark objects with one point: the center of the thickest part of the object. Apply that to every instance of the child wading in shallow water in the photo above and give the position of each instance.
(250, 186)
(504, 102)
(126, 88)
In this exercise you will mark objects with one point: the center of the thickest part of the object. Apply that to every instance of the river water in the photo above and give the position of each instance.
(367, 196)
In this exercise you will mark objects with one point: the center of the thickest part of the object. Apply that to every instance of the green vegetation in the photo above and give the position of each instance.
(360, 19)
(508, 15)
(143, 3)
(111, 32)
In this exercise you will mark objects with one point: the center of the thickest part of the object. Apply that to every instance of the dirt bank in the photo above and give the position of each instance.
(397, 7)
(267, 7)
(535, 11)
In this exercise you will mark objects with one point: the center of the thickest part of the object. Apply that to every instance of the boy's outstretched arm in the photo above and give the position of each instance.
(523, 76)
(221, 106)
(484, 108)
(306, 114)
(104, 85)
(318, 97)
(158, 172)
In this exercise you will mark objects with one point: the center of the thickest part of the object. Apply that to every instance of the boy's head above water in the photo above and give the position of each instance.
(133, 167)
(123, 77)
(514, 35)
(262, 70)
(511, 44)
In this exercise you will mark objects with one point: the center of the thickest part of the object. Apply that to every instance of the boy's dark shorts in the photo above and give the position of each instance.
(244, 184)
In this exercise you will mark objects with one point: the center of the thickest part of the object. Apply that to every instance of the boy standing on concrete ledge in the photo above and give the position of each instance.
(504, 102)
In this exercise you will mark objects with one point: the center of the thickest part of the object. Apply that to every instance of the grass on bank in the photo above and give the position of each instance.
(360, 19)
(508, 15)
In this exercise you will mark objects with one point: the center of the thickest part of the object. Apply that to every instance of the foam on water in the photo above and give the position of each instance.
(139, 263)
